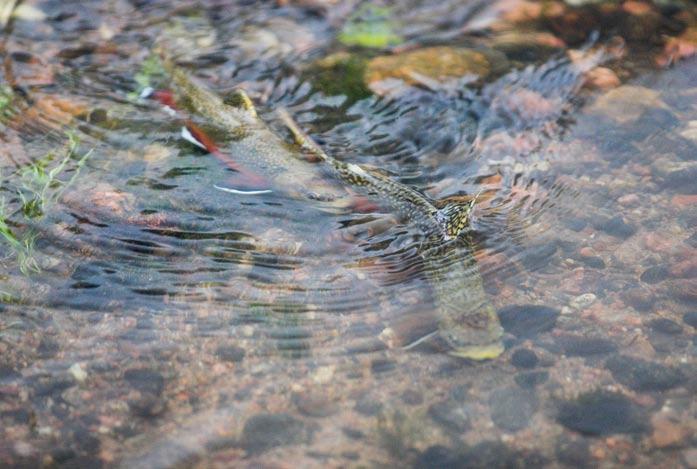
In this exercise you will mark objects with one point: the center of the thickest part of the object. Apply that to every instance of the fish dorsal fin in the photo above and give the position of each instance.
(239, 99)
(454, 213)
(377, 171)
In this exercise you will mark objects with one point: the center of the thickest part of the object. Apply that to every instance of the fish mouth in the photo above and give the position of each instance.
(478, 352)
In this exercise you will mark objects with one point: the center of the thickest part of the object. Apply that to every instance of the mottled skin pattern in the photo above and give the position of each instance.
(467, 321)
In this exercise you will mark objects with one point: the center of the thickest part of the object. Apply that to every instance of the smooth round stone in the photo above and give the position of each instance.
(524, 358)
(602, 413)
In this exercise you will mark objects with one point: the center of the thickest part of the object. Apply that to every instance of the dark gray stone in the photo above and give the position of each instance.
(594, 262)
(575, 224)
(145, 380)
(262, 432)
(690, 319)
(602, 413)
(683, 181)
(524, 358)
(665, 326)
(512, 408)
(615, 226)
(536, 257)
(368, 406)
(381, 365)
(579, 346)
(642, 375)
(655, 274)
(531, 379)
(230, 353)
(438, 457)
(527, 321)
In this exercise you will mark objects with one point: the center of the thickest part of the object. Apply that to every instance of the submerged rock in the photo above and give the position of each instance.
(602, 413)
(451, 415)
(642, 375)
(655, 274)
(531, 379)
(512, 408)
(690, 319)
(665, 326)
(524, 358)
(615, 226)
(580, 346)
(430, 63)
(265, 431)
(526, 321)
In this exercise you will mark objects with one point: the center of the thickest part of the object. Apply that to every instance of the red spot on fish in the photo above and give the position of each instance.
(246, 179)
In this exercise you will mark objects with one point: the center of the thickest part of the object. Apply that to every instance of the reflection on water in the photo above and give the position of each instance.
(148, 319)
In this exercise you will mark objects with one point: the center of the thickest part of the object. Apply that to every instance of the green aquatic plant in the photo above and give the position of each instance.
(41, 185)
(370, 26)
(22, 247)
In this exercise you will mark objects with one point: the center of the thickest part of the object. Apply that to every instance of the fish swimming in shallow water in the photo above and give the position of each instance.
(467, 321)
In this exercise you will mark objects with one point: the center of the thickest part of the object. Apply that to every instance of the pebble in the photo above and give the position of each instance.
(314, 404)
(666, 326)
(615, 226)
(524, 358)
(78, 373)
(642, 375)
(602, 413)
(147, 405)
(451, 415)
(579, 346)
(536, 257)
(512, 408)
(145, 380)
(526, 321)
(682, 181)
(575, 224)
(629, 200)
(690, 319)
(655, 274)
(436, 457)
(583, 301)
(594, 262)
(262, 432)
(230, 353)
(531, 379)
(667, 432)
(639, 298)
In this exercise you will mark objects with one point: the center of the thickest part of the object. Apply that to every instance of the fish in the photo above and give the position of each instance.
(467, 321)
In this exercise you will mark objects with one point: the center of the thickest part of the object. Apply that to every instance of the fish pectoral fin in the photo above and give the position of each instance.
(239, 98)
(301, 137)
(230, 190)
(454, 215)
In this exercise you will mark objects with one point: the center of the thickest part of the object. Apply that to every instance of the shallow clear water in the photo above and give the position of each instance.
(148, 319)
